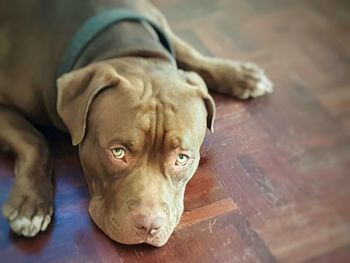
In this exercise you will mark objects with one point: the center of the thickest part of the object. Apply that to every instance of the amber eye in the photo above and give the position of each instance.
(182, 159)
(118, 153)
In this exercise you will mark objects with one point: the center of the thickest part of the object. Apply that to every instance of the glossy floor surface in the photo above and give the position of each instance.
(274, 179)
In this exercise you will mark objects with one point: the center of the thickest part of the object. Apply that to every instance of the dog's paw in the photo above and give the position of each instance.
(27, 215)
(251, 82)
(242, 80)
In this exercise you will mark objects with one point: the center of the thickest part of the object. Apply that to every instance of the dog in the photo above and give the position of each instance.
(132, 95)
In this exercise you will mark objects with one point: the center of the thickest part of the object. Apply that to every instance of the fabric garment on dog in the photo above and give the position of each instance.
(97, 24)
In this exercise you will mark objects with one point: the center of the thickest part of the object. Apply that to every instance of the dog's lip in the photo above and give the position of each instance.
(154, 240)
(158, 239)
(138, 237)
(155, 243)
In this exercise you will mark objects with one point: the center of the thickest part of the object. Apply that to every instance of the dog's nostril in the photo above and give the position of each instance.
(148, 223)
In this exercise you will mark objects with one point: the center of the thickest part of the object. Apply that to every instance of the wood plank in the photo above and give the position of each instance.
(210, 211)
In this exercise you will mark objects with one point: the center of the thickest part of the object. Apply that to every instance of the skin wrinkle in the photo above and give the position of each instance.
(145, 95)
(148, 182)
(113, 227)
(157, 130)
(167, 231)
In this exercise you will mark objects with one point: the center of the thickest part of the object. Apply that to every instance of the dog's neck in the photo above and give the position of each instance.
(124, 39)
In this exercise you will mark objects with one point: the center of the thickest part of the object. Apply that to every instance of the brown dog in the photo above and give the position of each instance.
(138, 119)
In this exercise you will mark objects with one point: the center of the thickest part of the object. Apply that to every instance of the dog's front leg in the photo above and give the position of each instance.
(242, 80)
(29, 207)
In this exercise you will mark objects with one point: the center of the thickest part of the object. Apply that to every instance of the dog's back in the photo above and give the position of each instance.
(33, 35)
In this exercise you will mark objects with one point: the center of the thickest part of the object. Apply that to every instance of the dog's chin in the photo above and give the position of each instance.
(128, 235)
(133, 239)
(157, 242)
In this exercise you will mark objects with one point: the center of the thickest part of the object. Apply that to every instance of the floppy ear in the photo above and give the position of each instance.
(76, 91)
(194, 79)
(210, 106)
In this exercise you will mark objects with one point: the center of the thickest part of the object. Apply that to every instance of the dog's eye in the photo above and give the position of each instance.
(118, 153)
(181, 159)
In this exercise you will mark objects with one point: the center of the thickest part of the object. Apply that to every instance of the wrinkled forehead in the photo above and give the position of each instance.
(178, 120)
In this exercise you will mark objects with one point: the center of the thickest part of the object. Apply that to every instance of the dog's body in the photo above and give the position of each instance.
(138, 119)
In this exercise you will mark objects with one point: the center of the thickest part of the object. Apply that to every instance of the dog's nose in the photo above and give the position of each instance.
(148, 223)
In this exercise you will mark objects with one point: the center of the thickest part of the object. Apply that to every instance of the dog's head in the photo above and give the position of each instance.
(139, 124)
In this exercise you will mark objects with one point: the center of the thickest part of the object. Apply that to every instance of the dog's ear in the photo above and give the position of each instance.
(76, 92)
(210, 106)
(194, 79)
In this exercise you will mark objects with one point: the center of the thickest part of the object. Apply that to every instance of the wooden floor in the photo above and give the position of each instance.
(274, 180)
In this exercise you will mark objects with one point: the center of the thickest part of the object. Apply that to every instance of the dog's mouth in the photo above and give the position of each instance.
(156, 241)
(124, 232)
(130, 236)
